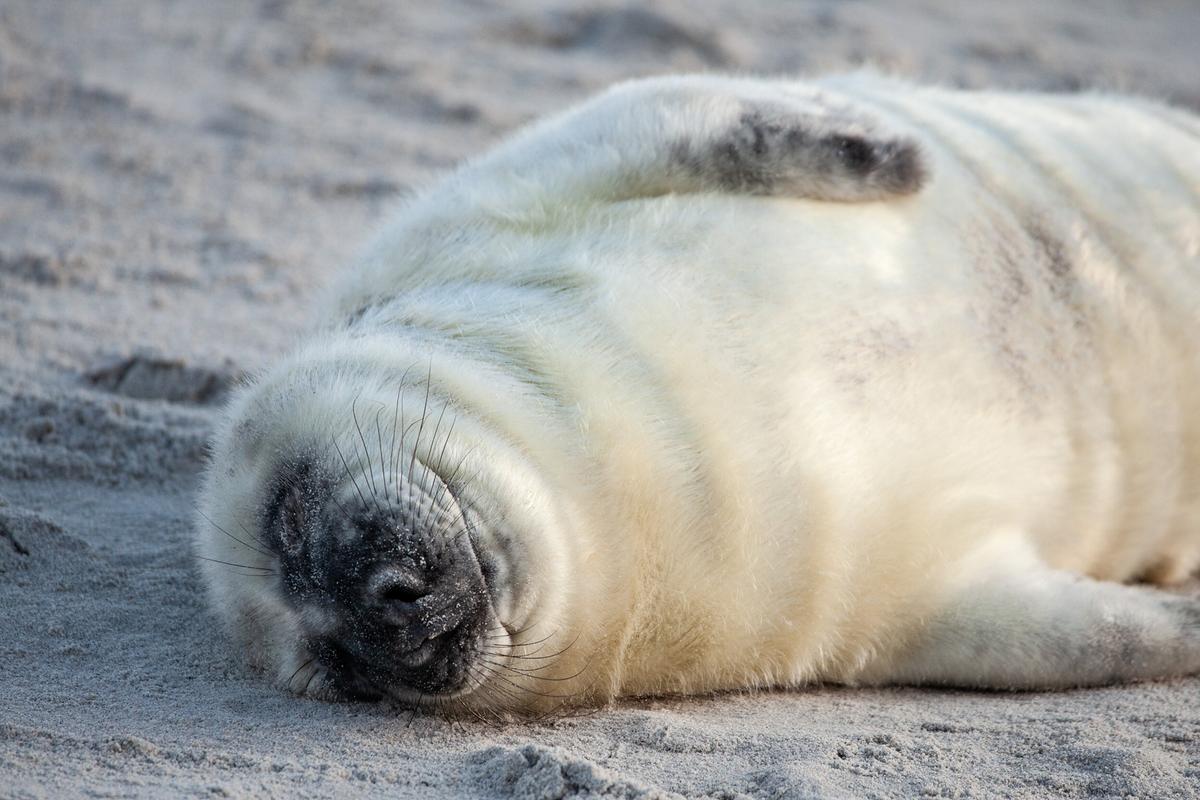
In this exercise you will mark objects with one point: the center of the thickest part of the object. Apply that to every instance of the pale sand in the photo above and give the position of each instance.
(176, 182)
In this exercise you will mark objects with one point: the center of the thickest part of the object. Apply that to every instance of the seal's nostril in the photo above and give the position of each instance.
(400, 593)
(396, 588)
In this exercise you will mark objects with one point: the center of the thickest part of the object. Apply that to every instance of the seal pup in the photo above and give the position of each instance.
(714, 383)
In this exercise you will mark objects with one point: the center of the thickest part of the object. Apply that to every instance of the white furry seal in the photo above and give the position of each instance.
(720, 383)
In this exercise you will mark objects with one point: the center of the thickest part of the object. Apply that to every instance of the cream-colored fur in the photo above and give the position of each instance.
(733, 433)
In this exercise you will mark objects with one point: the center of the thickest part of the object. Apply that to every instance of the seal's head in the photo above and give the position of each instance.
(359, 549)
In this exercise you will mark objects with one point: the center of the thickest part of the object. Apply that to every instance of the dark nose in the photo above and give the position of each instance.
(406, 607)
(394, 592)
(411, 629)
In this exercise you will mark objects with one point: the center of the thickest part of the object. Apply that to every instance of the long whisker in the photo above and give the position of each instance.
(531, 672)
(265, 570)
(382, 457)
(311, 675)
(534, 657)
(424, 413)
(461, 705)
(429, 471)
(417, 705)
(349, 473)
(395, 426)
(441, 459)
(527, 644)
(252, 536)
(487, 682)
(288, 684)
(564, 711)
(498, 675)
(342, 509)
(366, 451)
(231, 536)
(398, 423)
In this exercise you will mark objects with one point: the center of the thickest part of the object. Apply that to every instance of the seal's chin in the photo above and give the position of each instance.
(432, 673)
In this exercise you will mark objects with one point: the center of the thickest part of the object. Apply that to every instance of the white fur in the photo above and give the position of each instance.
(740, 441)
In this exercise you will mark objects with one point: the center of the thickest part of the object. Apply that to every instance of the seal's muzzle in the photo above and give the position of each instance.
(402, 599)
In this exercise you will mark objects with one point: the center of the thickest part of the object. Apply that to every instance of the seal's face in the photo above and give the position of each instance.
(414, 563)
(391, 597)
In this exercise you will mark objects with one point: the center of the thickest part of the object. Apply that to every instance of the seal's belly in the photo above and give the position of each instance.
(1012, 349)
(1091, 208)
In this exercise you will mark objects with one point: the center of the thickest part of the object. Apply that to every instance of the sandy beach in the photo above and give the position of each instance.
(178, 180)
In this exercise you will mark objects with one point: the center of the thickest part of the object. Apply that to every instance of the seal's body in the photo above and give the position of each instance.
(718, 383)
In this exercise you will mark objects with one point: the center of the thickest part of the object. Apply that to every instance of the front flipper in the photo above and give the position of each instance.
(779, 151)
(1027, 626)
(704, 134)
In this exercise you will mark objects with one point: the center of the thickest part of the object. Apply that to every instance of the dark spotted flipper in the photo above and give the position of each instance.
(705, 134)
